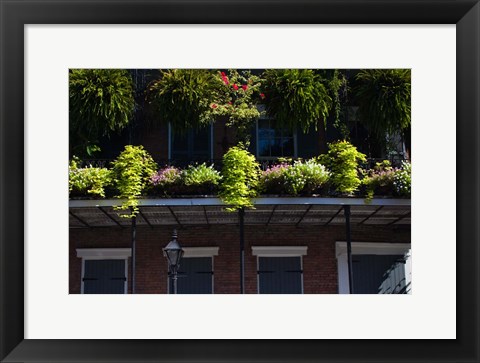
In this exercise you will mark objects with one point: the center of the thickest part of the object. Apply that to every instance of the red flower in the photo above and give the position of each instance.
(245, 87)
(235, 87)
(223, 74)
(213, 105)
(262, 96)
(229, 102)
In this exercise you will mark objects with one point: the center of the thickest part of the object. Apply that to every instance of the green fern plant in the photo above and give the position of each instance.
(183, 97)
(296, 97)
(384, 100)
(101, 102)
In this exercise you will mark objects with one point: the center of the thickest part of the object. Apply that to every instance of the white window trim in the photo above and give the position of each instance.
(192, 252)
(104, 254)
(200, 251)
(279, 251)
(367, 248)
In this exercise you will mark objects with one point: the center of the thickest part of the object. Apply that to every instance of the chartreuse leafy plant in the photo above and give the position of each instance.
(240, 174)
(88, 181)
(183, 97)
(101, 102)
(342, 159)
(132, 171)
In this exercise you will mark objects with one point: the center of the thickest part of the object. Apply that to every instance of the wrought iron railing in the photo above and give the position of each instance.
(217, 163)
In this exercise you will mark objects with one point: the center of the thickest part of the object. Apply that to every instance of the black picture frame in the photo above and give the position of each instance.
(15, 14)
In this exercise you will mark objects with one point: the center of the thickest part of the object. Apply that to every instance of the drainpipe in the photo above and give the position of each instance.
(241, 213)
(346, 209)
(134, 233)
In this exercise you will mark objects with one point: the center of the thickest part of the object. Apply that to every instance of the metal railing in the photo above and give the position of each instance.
(217, 163)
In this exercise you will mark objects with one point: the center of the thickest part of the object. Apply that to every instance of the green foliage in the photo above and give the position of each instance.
(88, 181)
(300, 178)
(403, 180)
(183, 97)
(379, 180)
(101, 101)
(342, 160)
(273, 180)
(132, 171)
(166, 180)
(237, 100)
(240, 174)
(337, 86)
(306, 177)
(384, 100)
(296, 97)
(200, 175)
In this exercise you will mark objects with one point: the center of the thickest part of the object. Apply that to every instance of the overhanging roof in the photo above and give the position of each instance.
(268, 211)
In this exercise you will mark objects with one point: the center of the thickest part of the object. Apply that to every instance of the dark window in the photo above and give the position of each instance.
(274, 142)
(279, 275)
(104, 277)
(378, 274)
(195, 276)
(194, 145)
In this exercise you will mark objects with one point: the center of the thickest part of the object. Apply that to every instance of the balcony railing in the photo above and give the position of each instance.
(264, 164)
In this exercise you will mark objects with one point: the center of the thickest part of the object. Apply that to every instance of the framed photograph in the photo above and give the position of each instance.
(46, 312)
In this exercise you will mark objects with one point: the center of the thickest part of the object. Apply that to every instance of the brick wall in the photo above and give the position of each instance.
(319, 265)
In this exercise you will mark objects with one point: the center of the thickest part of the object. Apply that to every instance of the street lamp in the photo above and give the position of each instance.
(173, 252)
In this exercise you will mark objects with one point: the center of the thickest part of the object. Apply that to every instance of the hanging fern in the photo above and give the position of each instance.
(101, 101)
(183, 97)
(384, 100)
(296, 97)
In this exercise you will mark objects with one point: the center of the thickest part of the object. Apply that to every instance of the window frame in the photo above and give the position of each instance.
(170, 138)
(370, 248)
(279, 251)
(104, 254)
(257, 143)
(192, 252)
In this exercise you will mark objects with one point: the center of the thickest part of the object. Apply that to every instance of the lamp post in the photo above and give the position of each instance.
(173, 252)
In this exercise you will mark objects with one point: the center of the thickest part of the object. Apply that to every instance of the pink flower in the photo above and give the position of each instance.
(235, 87)
(262, 96)
(223, 74)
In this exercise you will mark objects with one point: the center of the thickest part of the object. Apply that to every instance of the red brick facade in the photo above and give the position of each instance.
(319, 265)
